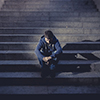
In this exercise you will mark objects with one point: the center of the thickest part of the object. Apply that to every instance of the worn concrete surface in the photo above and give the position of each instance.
(97, 2)
(49, 89)
(1, 3)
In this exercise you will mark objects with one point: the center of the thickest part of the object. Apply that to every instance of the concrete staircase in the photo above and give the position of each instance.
(76, 23)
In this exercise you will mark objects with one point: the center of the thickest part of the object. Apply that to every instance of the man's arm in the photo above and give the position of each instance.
(38, 53)
(38, 48)
(58, 50)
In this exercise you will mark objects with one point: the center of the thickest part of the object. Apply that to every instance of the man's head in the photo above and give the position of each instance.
(48, 36)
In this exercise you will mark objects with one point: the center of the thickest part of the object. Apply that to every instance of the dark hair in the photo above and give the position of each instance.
(48, 34)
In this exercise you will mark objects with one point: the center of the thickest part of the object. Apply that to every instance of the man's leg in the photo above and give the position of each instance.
(53, 64)
(44, 68)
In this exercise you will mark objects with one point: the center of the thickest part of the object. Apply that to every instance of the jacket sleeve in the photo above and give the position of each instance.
(58, 49)
(38, 48)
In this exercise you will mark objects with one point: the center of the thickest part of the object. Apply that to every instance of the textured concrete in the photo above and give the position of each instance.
(1, 3)
(76, 25)
(97, 2)
(50, 90)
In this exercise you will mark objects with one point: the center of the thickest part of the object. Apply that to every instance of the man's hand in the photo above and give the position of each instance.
(46, 59)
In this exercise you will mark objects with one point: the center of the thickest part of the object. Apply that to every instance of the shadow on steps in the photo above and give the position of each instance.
(88, 47)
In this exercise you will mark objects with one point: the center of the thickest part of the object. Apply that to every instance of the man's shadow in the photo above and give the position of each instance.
(76, 57)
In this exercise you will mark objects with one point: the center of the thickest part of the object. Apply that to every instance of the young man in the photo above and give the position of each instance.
(47, 52)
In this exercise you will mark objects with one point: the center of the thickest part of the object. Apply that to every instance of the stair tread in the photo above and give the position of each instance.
(64, 51)
(59, 75)
(60, 42)
(50, 90)
(39, 34)
(25, 28)
(35, 62)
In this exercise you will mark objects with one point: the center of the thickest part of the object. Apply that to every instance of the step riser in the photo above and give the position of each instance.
(62, 38)
(46, 0)
(32, 56)
(43, 18)
(64, 56)
(55, 30)
(60, 68)
(61, 10)
(49, 3)
(54, 4)
(51, 24)
(48, 14)
(48, 82)
(47, 7)
(65, 47)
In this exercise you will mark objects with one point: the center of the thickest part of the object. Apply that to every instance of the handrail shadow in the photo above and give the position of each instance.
(78, 56)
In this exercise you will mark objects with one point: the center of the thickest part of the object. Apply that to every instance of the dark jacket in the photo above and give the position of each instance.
(48, 49)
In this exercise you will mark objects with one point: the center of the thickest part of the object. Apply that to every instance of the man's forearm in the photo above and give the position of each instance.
(46, 59)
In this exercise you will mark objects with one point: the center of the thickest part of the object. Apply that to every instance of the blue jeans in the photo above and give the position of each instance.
(53, 62)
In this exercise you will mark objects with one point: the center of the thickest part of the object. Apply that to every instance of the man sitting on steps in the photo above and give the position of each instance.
(47, 52)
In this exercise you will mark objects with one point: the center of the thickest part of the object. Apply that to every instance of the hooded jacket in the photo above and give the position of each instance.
(48, 49)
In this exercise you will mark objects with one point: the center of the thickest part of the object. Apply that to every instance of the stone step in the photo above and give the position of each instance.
(48, 19)
(32, 78)
(26, 38)
(60, 24)
(63, 66)
(48, 14)
(81, 19)
(47, 6)
(48, 1)
(61, 62)
(67, 55)
(39, 30)
(30, 90)
(64, 45)
(51, 9)
(72, 4)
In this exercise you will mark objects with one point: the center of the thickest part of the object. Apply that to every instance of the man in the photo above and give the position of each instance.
(47, 52)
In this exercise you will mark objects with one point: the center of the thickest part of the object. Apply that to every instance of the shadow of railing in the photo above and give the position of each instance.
(80, 56)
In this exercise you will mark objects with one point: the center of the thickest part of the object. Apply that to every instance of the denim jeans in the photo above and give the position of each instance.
(53, 62)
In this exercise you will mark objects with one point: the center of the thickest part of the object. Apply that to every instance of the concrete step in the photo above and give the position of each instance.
(4, 90)
(60, 24)
(70, 4)
(32, 78)
(67, 55)
(22, 38)
(48, 14)
(81, 19)
(47, 6)
(43, 1)
(48, 1)
(64, 45)
(63, 66)
(48, 19)
(51, 9)
(39, 30)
